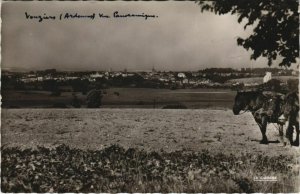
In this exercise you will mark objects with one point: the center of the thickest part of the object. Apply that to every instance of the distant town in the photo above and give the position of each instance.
(213, 87)
(51, 79)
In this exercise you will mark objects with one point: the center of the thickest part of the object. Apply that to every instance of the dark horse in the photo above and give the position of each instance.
(291, 113)
(264, 108)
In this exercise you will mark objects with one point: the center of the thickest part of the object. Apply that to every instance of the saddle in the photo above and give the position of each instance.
(271, 106)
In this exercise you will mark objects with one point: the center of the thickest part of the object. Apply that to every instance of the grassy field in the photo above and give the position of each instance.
(127, 98)
(141, 150)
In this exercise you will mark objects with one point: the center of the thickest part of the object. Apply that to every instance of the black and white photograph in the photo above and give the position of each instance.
(150, 96)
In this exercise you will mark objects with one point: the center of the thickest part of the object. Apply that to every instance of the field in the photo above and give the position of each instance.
(142, 150)
(127, 98)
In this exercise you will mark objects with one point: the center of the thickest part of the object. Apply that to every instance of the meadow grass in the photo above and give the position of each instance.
(115, 169)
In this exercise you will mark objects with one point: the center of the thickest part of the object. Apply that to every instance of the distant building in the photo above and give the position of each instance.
(96, 75)
(40, 78)
(181, 75)
(185, 81)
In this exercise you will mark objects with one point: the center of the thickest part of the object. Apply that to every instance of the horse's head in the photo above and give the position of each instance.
(291, 104)
(242, 101)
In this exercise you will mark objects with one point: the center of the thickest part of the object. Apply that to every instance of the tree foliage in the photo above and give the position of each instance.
(276, 26)
(52, 86)
(94, 98)
(79, 85)
(76, 103)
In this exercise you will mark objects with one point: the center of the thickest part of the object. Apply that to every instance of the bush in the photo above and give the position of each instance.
(59, 105)
(140, 103)
(76, 103)
(56, 93)
(94, 98)
(79, 85)
(173, 87)
(13, 106)
(175, 106)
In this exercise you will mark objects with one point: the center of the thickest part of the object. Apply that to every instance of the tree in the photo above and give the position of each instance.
(277, 30)
(94, 98)
(79, 85)
(52, 86)
(76, 103)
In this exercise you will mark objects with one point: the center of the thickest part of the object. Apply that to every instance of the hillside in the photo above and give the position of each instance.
(259, 80)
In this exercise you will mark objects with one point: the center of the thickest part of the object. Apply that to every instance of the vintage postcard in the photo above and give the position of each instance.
(149, 96)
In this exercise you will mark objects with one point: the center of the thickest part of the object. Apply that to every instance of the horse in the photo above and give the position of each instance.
(265, 108)
(291, 113)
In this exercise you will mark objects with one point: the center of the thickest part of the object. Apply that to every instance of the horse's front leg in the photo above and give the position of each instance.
(280, 129)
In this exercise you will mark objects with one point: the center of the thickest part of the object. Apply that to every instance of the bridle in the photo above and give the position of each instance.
(245, 110)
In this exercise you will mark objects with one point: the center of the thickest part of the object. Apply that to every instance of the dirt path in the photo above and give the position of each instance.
(149, 129)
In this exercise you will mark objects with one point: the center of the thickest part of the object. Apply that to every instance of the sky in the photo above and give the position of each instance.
(181, 37)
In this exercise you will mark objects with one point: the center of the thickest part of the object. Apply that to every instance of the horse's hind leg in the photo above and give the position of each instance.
(263, 129)
(287, 137)
(289, 133)
(281, 134)
(296, 142)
